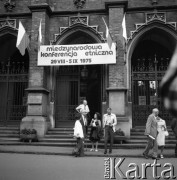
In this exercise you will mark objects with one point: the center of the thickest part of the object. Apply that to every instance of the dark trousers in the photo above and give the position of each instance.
(151, 144)
(109, 134)
(80, 146)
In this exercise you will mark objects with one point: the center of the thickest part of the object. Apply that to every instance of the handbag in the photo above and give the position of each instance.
(166, 133)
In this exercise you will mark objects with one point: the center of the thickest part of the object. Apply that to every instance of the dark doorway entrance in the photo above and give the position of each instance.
(75, 83)
(72, 88)
(13, 82)
(149, 63)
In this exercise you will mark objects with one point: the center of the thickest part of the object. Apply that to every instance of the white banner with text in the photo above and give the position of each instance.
(79, 54)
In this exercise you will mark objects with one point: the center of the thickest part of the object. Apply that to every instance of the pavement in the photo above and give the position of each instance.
(67, 151)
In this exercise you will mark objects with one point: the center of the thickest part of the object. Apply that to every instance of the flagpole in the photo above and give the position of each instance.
(104, 22)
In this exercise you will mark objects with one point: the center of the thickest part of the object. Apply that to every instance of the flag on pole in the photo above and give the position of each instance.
(168, 86)
(22, 39)
(108, 35)
(40, 35)
(124, 32)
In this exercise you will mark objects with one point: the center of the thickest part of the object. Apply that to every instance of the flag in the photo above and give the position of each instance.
(22, 39)
(108, 36)
(40, 35)
(168, 86)
(124, 32)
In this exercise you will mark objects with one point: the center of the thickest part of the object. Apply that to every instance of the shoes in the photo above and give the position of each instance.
(91, 149)
(161, 156)
(145, 155)
(96, 150)
(155, 157)
(105, 152)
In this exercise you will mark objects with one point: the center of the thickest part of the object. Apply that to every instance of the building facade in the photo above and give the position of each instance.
(39, 97)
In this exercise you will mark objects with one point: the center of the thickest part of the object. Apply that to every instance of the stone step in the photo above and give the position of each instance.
(9, 132)
(144, 137)
(143, 130)
(142, 133)
(9, 139)
(9, 128)
(143, 127)
(9, 135)
(72, 144)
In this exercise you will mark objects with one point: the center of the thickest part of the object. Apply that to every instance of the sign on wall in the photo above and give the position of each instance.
(80, 54)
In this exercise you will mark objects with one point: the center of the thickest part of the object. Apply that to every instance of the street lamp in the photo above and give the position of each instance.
(84, 73)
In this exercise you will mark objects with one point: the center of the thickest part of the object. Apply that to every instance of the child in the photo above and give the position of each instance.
(162, 132)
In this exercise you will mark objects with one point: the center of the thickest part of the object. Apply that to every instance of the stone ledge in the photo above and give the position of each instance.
(112, 4)
(116, 89)
(37, 89)
(122, 119)
(40, 7)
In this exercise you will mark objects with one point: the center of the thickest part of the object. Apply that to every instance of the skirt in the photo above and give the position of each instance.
(94, 134)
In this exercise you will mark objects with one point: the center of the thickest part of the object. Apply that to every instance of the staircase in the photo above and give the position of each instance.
(63, 137)
(9, 135)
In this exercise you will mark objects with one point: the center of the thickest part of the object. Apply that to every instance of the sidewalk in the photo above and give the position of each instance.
(67, 151)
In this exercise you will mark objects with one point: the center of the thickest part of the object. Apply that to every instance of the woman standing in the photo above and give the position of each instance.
(162, 132)
(95, 131)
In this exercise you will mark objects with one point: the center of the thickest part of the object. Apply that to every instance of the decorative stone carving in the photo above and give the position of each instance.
(155, 16)
(9, 5)
(77, 20)
(149, 18)
(154, 2)
(79, 3)
(8, 23)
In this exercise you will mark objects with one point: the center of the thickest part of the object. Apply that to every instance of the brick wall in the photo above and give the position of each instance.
(116, 72)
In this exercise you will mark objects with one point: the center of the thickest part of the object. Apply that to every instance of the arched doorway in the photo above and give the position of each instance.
(13, 81)
(75, 83)
(149, 62)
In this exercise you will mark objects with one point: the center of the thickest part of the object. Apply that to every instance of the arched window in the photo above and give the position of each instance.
(13, 81)
(149, 62)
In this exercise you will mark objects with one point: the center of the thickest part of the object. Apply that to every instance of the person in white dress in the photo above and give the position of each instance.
(162, 132)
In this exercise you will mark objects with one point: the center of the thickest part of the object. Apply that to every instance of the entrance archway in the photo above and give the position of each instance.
(13, 81)
(149, 62)
(75, 83)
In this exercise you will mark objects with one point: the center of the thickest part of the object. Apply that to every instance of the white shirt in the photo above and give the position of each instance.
(83, 108)
(110, 119)
(78, 131)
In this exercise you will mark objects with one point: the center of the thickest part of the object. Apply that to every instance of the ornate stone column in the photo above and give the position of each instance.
(37, 102)
(117, 85)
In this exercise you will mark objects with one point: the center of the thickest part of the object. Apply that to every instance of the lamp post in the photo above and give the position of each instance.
(154, 2)
(84, 73)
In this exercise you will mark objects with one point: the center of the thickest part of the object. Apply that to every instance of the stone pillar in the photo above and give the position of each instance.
(117, 88)
(37, 102)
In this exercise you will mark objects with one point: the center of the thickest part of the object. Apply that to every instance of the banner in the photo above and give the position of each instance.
(79, 54)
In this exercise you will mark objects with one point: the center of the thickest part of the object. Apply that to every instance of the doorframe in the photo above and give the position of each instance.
(132, 43)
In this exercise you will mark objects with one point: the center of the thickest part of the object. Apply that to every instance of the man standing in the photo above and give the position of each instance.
(174, 129)
(109, 123)
(84, 110)
(79, 134)
(151, 133)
